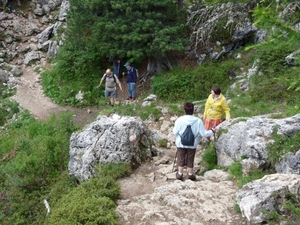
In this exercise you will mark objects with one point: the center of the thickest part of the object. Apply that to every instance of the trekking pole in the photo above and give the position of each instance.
(174, 160)
(215, 150)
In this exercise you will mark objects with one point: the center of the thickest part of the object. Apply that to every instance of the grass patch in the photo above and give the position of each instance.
(236, 172)
(282, 145)
(209, 158)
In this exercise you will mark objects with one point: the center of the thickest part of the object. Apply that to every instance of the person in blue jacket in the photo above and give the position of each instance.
(186, 154)
(131, 79)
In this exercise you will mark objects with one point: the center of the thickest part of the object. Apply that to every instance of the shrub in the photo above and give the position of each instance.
(209, 158)
(194, 84)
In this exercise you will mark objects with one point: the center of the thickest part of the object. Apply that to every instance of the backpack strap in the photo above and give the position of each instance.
(191, 127)
(114, 76)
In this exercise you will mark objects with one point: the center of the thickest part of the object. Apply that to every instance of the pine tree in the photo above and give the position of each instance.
(134, 30)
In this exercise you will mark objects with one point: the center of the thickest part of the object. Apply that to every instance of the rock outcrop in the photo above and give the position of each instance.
(246, 140)
(109, 139)
(267, 195)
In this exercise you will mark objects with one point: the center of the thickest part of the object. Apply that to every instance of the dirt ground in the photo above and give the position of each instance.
(30, 96)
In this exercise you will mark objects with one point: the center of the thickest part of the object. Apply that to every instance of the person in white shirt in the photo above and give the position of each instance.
(186, 154)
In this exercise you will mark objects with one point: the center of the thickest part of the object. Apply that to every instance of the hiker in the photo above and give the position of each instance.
(111, 81)
(117, 66)
(186, 154)
(131, 79)
(214, 107)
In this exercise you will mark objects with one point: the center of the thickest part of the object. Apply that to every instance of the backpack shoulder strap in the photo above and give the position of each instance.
(115, 79)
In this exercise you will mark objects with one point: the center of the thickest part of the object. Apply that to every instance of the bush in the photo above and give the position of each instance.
(209, 158)
(194, 84)
(36, 154)
(92, 202)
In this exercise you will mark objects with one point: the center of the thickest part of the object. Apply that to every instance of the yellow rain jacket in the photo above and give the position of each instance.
(214, 108)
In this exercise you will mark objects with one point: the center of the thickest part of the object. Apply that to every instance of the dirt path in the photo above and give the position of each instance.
(30, 96)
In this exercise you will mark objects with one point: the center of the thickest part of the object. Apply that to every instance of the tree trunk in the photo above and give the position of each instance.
(157, 64)
(180, 4)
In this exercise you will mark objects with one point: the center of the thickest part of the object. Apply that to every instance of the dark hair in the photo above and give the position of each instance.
(189, 108)
(216, 89)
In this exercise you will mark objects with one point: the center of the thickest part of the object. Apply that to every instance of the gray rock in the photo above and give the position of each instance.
(3, 76)
(31, 56)
(52, 49)
(45, 35)
(65, 5)
(249, 137)
(266, 194)
(16, 71)
(108, 139)
(290, 164)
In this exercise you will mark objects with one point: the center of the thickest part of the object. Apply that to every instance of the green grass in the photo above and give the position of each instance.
(282, 145)
(209, 158)
(236, 172)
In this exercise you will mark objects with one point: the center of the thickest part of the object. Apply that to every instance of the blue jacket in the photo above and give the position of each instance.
(131, 75)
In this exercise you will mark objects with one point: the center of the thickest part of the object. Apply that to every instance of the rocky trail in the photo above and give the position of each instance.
(151, 194)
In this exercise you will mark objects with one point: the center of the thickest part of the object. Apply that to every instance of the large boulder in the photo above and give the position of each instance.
(246, 139)
(109, 139)
(267, 194)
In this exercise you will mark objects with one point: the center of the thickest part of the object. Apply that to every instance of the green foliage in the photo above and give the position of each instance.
(163, 143)
(7, 107)
(79, 207)
(194, 84)
(236, 172)
(282, 145)
(34, 155)
(237, 208)
(114, 170)
(92, 202)
(97, 29)
(63, 87)
(282, 40)
(2, 36)
(151, 111)
(209, 158)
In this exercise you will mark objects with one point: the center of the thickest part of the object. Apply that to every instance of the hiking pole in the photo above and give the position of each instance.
(174, 160)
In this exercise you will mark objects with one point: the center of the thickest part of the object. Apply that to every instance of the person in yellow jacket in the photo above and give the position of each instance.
(214, 107)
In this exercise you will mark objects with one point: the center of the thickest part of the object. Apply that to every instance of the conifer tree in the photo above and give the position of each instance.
(132, 29)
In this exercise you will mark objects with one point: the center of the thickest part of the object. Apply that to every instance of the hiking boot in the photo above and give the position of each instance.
(192, 177)
(179, 177)
(129, 98)
(133, 98)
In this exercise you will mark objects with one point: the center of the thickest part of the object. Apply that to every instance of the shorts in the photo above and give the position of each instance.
(186, 157)
(112, 94)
